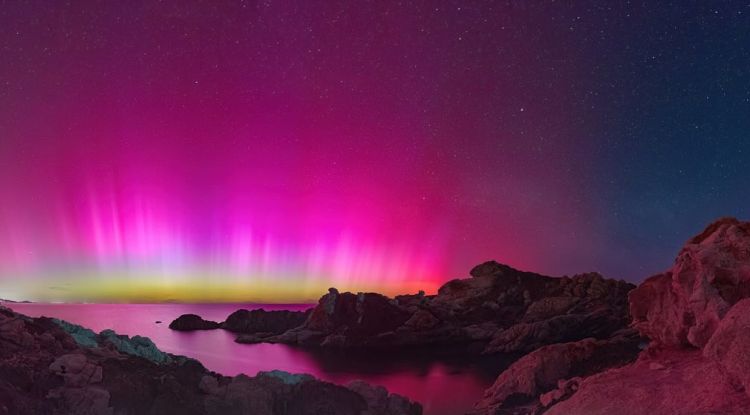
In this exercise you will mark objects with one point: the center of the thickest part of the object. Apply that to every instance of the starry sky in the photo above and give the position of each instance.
(266, 150)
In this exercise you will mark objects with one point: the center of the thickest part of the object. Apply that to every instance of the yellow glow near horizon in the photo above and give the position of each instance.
(149, 290)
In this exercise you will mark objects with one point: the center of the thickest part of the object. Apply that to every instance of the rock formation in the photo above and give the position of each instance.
(498, 310)
(52, 367)
(683, 306)
(552, 371)
(697, 317)
(262, 321)
(258, 323)
(188, 322)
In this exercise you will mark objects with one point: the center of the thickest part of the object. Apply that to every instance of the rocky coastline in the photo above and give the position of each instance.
(694, 320)
(49, 366)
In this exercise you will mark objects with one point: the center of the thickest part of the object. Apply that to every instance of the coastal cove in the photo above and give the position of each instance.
(442, 383)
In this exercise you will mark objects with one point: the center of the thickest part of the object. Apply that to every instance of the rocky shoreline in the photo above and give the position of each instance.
(49, 366)
(498, 310)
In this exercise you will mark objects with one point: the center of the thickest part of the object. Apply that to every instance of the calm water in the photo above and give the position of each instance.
(443, 385)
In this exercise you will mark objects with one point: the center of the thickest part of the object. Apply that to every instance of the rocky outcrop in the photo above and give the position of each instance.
(189, 322)
(253, 325)
(697, 316)
(683, 306)
(44, 369)
(498, 310)
(519, 388)
(262, 321)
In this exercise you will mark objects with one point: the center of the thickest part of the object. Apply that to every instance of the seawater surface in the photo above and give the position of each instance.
(442, 383)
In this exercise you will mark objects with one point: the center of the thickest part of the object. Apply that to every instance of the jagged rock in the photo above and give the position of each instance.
(188, 322)
(702, 302)
(262, 321)
(83, 336)
(518, 388)
(518, 311)
(684, 305)
(136, 346)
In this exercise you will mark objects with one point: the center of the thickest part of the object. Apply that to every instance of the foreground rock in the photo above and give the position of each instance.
(697, 316)
(188, 322)
(554, 370)
(498, 310)
(683, 306)
(673, 382)
(53, 367)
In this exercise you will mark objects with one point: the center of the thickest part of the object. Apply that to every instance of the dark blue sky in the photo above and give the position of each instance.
(672, 88)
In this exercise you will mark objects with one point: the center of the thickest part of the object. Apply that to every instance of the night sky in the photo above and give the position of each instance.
(269, 149)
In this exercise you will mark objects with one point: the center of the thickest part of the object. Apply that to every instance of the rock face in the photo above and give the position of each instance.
(498, 310)
(518, 388)
(697, 316)
(44, 369)
(188, 322)
(683, 306)
(730, 343)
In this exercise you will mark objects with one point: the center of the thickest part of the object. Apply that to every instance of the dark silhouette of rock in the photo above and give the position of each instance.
(189, 322)
(46, 370)
(498, 310)
(262, 321)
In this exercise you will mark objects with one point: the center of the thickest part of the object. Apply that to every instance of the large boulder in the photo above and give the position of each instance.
(683, 306)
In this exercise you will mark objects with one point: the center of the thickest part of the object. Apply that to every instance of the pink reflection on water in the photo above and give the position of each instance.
(442, 388)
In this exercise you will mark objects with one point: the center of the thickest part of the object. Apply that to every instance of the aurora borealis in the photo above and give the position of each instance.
(221, 151)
